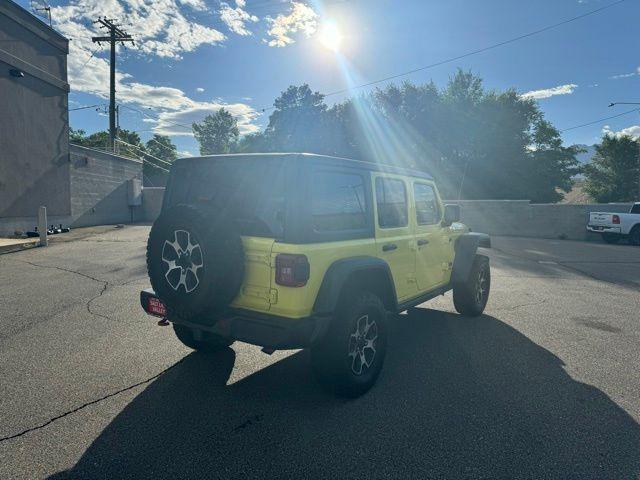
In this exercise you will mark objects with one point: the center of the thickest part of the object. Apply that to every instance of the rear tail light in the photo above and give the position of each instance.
(616, 219)
(292, 270)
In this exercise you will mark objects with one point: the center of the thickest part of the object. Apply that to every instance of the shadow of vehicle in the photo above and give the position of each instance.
(458, 398)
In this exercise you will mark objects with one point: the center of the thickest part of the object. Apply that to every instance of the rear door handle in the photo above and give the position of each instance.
(422, 241)
(388, 247)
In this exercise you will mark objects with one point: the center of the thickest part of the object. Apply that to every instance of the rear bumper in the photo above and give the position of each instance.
(260, 329)
(604, 229)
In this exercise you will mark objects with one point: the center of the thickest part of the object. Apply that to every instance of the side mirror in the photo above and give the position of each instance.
(451, 215)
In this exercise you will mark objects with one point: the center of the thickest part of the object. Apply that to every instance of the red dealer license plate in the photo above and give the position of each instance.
(156, 307)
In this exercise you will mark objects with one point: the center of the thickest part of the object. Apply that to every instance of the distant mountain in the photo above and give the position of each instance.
(586, 157)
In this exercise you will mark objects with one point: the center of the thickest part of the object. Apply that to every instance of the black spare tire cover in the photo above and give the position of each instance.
(195, 262)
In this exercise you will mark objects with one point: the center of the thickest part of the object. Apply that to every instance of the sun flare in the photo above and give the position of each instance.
(330, 36)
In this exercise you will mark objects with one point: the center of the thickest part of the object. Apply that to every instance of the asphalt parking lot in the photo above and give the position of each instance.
(544, 385)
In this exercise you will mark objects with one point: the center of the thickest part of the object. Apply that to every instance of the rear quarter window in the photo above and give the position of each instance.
(338, 202)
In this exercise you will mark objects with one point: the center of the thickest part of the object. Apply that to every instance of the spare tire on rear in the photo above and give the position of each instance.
(195, 262)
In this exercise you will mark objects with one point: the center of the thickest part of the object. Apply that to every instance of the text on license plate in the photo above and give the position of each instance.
(156, 307)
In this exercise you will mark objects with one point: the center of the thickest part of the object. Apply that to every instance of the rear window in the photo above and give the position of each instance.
(252, 190)
(338, 202)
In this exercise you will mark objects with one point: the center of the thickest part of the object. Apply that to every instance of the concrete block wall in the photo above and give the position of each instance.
(151, 203)
(97, 183)
(495, 217)
(99, 187)
(522, 218)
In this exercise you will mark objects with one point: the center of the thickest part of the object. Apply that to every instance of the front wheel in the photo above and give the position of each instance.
(634, 235)
(471, 297)
(209, 343)
(349, 358)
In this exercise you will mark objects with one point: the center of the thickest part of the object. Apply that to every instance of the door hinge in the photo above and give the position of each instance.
(273, 296)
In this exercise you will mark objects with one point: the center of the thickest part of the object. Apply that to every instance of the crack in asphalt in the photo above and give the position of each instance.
(62, 269)
(514, 307)
(88, 404)
(105, 284)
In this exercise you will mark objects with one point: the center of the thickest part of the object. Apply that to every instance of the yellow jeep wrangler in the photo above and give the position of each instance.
(292, 251)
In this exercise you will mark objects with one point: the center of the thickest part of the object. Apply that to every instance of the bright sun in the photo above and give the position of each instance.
(330, 36)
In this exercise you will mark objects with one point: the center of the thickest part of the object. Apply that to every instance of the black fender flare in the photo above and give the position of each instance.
(465, 248)
(337, 275)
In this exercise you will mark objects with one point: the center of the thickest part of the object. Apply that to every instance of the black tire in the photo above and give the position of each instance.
(634, 235)
(358, 331)
(611, 238)
(209, 344)
(195, 262)
(471, 297)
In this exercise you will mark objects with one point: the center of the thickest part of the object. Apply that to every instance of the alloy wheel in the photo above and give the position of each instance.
(183, 257)
(362, 344)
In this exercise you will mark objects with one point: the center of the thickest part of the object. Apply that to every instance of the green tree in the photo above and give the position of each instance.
(158, 147)
(132, 146)
(477, 143)
(614, 172)
(217, 133)
(297, 121)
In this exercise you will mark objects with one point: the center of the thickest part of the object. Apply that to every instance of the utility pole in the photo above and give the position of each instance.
(115, 34)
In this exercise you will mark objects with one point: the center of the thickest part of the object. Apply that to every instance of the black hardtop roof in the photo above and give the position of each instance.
(377, 167)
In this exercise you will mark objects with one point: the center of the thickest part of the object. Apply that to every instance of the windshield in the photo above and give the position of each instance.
(251, 189)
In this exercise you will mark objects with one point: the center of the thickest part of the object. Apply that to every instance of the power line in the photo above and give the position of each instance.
(480, 50)
(99, 47)
(87, 106)
(600, 120)
(169, 149)
(156, 117)
(144, 152)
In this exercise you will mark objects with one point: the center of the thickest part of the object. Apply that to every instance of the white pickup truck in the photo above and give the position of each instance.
(615, 226)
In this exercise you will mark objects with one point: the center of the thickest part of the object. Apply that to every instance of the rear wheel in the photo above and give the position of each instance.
(471, 297)
(611, 238)
(209, 343)
(634, 235)
(349, 358)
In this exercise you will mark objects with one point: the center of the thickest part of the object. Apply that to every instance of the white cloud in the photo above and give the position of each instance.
(550, 92)
(161, 29)
(236, 18)
(185, 153)
(301, 18)
(199, 89)
(633, 131)
(168, 121)
(626, 75)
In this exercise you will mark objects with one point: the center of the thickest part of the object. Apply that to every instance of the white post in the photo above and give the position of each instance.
(42, 226)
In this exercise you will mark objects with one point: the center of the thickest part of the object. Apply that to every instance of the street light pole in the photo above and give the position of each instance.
(612, 104)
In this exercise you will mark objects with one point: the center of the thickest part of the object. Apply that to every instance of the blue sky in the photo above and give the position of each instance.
(193, 56)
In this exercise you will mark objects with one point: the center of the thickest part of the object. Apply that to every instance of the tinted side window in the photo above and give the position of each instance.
(635, 208)
(427, 209)
(338, 202)
(391, 198)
